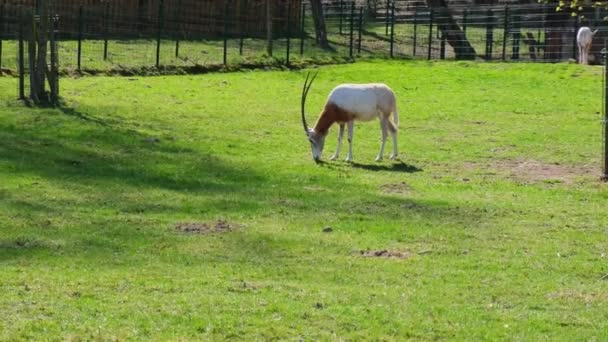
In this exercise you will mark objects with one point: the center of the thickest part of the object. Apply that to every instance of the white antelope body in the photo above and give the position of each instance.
(584, 38)
(346, 104)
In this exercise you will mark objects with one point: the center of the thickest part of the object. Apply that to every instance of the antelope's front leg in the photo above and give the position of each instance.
(340, 135)
(351, 131)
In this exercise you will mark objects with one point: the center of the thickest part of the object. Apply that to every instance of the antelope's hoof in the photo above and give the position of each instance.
(348, 159)
(393, 156)
(378, 159)
(334, 157)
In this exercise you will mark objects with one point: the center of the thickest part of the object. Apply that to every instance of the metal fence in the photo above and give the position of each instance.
(355, 29)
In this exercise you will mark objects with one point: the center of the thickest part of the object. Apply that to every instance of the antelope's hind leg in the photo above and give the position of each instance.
(383, 127)
(393, 130)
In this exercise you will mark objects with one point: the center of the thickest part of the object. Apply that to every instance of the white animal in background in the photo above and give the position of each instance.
(584, 38)
(346, 104)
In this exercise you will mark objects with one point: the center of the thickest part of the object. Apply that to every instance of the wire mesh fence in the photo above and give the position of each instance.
(102, 36)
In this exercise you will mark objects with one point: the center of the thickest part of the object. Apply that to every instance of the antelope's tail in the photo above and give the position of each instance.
(396, 117)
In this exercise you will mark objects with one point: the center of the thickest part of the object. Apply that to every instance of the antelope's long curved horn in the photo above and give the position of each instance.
(305, 90)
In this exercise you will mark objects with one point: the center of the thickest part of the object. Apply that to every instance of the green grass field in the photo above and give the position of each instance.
(494, 214)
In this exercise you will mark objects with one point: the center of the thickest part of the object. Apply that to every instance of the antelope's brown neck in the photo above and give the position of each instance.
(331, 114)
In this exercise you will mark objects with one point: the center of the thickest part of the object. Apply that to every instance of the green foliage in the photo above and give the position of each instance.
(495, 205)
(575, 6)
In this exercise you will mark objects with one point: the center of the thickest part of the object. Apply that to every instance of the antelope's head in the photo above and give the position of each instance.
(317, 141)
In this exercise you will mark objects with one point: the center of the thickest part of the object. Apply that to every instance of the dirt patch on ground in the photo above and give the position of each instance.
(579, 295)
(528, 170)
(220, 226)
(385, 254)
(534, 171)
(396, 188)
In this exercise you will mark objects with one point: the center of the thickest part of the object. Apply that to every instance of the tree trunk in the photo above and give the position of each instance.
(555, 23)
(41, 29)
(450, 29)
(319, 20)
(41, 59)
(269, 12)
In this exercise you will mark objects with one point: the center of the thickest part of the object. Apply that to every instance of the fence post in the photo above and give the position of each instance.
(1, 32)
(360, 30)
(505, 34)
(516, 23)
(160, 30)
(605, 121)
(80, 24)
(341, 14)
(430, 33)
(178, 24)
(465, 16)
(21, 56)
(269, 28)
(302, 28)
(388, 2)
(54, 72)
(352, 29)
(241, 31)
(31, 47)
(415, 38)
(225, 33)
(574, 43)
(392, 28)
(106, 30)
(442, 46)
(489, 34)
(288, 33)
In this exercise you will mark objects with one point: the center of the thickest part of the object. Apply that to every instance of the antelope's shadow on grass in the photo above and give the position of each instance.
(398, 166)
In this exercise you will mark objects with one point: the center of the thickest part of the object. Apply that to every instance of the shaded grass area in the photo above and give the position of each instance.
(93, 191)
